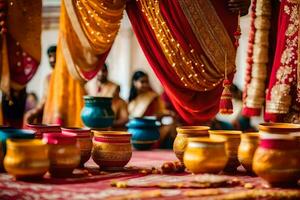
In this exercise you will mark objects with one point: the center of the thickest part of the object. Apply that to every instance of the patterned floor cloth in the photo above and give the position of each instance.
(92, 184)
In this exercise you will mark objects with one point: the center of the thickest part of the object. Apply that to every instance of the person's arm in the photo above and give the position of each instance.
(122, 117)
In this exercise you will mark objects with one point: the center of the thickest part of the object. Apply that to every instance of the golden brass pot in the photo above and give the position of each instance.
(26, 158)
(64, 154)
(277, 158)
(204, 155)
(185, 132)
(247, 148)
(111, 149)
(232, 139)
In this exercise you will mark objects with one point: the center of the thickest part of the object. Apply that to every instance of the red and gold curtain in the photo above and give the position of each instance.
(185, 42)
(87, 31)
(283, 97)
(20, 42)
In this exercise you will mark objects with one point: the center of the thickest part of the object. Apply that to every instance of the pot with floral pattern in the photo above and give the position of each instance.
(111, 149)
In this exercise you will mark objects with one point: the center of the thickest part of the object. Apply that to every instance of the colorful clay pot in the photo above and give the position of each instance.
(97, 112)
(247, 148)
(64, 154)
(111, 149)
(277, 158)
(26, 158)
(43, 128)
(232, 139)
(204, 155)
(84, 140)
(185, 132)
(145, 132)
(6, 133)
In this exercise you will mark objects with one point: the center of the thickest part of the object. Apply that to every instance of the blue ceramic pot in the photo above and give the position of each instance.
(145, 132)
(10, 133)
(97, 112)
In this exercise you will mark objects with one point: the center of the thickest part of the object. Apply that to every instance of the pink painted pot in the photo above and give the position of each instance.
(64, 154)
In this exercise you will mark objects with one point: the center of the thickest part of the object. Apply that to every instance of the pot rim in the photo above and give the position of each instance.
(193, 130)
(251, 135)
(15, 131)
(25, 142)
(226, 133)
(88, 97)
(75, 129)
(279, 127)
(111, 133)
(206, 140)
(33, 125)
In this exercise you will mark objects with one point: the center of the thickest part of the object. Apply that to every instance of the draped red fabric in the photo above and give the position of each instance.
(193, 106)
(283, 96)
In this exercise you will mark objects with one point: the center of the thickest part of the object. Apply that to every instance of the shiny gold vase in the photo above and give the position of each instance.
(111, 149)
(26, 158)
(277, 158)
(84, 140)
(247, 148)
(64, 154)
(204, 155)
(185, 132)
(232, 141)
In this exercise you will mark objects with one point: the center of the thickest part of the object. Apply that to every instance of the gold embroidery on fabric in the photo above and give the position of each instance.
(280, 100)
(191, 69)
(210, 32)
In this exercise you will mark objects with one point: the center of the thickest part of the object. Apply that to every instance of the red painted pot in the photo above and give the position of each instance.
(43, 128)
(111, 149)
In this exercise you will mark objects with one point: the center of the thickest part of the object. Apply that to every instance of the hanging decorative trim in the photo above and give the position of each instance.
(238, 32)
(256, 74)
(226, 106)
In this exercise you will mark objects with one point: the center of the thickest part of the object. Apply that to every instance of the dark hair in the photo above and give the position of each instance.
(34, 95)
(133, 91)
(105, 67)
(51, 49)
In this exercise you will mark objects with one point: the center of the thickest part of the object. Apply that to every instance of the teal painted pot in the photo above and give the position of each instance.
(97, 112)
(10, 133)
(145, 132)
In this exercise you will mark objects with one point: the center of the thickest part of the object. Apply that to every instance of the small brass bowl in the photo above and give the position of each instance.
(111, 149)
(204, 155)
(185, 132)
(26, 158)
(247, 148)
(232, 139)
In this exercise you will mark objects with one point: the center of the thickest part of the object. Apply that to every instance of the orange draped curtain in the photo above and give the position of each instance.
(87, 31)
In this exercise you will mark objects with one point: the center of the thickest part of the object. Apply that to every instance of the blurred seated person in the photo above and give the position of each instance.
(31, 101)
(143, 101)
(35, 115)
(107, 88)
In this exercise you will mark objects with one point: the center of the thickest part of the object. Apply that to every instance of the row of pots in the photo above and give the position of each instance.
(60, 151)
(272, 154)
